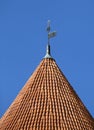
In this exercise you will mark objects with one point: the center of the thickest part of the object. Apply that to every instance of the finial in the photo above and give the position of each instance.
(50, 35)
(48, 26)
(48, 30)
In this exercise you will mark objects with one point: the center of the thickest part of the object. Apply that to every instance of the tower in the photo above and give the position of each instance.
(47, 102)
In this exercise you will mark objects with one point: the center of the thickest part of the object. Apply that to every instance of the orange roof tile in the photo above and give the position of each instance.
(47, 102)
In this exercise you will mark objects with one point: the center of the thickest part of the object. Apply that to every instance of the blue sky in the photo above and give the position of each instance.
(23, 40)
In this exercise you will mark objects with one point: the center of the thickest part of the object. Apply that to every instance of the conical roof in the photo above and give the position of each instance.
(47, 102)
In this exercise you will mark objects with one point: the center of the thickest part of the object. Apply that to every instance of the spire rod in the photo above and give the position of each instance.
(48, 30)
(50, 35)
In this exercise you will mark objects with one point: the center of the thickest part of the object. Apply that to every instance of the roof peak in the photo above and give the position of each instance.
(50, 35)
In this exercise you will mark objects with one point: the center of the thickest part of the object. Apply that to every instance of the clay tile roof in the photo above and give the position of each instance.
(47, 102)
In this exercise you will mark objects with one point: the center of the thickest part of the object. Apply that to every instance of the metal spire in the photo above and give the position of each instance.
(50, 35)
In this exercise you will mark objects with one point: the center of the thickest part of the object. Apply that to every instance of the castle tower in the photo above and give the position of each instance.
(47, 102)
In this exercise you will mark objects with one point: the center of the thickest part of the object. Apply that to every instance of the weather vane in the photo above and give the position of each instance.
(50, 34)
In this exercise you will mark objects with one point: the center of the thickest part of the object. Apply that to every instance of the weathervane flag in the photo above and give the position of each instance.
(52, 34)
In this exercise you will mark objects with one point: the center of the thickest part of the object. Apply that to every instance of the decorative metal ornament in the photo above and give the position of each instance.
(50, 35)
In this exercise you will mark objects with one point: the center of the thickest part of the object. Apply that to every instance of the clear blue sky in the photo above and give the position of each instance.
(23, 40)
